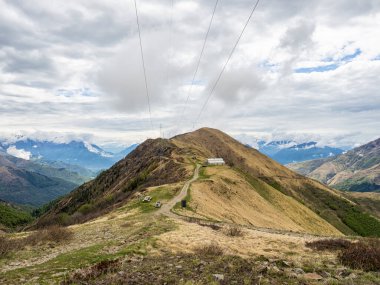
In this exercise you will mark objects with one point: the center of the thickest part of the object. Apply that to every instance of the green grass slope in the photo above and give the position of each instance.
(12, 217)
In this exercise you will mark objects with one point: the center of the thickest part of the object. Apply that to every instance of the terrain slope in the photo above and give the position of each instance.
(251, 189)
(357, 170)
(27, 183)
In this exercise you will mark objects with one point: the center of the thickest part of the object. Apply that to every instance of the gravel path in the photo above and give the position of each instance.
(166, 208)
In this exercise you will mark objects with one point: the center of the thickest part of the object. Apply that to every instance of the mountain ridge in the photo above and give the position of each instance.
(160, 162)
(74, 152)
(356, 170)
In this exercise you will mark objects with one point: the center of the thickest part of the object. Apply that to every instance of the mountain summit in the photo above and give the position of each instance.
(250, 189)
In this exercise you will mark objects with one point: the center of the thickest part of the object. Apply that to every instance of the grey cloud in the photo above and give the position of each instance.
(51, 45)
(33, 61)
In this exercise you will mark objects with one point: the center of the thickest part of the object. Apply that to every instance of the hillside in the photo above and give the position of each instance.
(357, 170)
(12, 216)
(252, 189)
(153, 163)
(26, 183)
(368, 200)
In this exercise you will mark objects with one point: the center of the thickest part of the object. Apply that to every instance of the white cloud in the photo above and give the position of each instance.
(20, 153)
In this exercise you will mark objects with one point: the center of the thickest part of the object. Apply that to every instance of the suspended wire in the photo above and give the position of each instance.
(143, 64)
(170, 41)
(170, 50)
(226, 63)
(199, 59)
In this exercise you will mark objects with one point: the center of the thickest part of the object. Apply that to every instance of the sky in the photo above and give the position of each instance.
(302, 70)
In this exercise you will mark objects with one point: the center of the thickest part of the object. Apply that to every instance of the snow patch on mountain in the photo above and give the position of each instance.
(94, 149)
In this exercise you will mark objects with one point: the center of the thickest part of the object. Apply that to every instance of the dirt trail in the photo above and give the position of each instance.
(166, 208)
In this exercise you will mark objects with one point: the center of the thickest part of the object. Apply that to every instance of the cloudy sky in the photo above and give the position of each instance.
(303, 69)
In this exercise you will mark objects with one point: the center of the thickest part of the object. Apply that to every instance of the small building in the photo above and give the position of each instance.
(147, 199)
(215, 161)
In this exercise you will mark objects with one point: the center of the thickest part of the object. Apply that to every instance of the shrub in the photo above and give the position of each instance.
(85, 209)
(234, 231)
(209, 250)
(8, 245)
(329, 244)
(82, 276)
(362, 255)
(51, 234)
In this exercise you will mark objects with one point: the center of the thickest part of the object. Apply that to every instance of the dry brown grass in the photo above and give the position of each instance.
(7, 246)
(240, 202)
(52, 234)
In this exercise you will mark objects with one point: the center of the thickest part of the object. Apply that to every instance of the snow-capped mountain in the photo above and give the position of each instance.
(79, 153)
(288, 151)
(305, 151)
(272, 147)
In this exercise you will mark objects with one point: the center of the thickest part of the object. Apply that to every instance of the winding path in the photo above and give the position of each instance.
(166, 208)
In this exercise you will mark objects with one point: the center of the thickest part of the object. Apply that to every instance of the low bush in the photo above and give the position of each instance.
(364, 255)
(329, 244)
(202, 223)
(52, 234)
(90, 273)
(8, 245)
(234, 231)
(209, 250)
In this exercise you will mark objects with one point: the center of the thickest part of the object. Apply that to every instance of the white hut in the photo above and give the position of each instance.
(215, 161)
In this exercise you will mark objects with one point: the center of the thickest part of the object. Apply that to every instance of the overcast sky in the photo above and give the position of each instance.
(303, 69)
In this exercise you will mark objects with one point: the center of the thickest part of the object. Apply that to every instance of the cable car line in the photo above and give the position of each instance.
(143, 65)
(199, 59)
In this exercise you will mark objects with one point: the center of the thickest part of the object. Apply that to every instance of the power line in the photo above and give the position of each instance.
(228, 60)
(199, 59)
(143, 64)
(170, 41)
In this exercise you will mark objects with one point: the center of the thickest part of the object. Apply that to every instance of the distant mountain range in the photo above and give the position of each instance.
(288, 151)
(35, 172)
(78, 153)
(357, 170)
